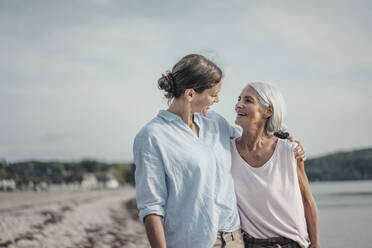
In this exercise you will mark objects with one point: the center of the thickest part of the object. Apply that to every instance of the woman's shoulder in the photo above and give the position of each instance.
(211, 114)
(285, 153)
(151, 129)
(287, 145)
(232, 130)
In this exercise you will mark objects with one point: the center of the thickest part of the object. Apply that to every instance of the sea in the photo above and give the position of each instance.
(345, 213)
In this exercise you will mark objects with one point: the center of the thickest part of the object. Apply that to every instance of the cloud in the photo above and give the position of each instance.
(79, 77)
(57, 137)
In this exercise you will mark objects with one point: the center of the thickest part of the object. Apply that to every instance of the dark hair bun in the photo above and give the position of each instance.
(281, 135)
(192, 72)
(166, 83)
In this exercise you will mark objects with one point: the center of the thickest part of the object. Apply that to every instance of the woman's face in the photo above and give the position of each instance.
(203, 101)
(249, 109)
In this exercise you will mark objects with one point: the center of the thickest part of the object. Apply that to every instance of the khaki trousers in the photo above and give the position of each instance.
(229, 239)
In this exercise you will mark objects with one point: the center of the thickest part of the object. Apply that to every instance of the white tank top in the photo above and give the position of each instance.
(269, 197)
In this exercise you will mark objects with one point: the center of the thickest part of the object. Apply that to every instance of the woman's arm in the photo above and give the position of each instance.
(155, 231)
(151, 188)
(311, 210)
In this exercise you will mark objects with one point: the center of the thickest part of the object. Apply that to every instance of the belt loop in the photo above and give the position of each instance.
(222, 234)
(223, 238)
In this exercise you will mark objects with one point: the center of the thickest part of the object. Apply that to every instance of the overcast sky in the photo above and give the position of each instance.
(79, 78)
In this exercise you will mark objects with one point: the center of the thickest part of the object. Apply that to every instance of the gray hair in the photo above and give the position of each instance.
(270, 95)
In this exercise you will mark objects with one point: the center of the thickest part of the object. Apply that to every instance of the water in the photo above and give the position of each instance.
(345, 213)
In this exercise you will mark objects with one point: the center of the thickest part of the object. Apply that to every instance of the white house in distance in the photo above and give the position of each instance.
(103, 180)
(112, 183)
(7, 185)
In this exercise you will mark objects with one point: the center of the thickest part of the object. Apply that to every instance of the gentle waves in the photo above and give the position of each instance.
(345, 213)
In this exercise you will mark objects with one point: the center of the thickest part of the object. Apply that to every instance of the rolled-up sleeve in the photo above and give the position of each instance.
(151, 189)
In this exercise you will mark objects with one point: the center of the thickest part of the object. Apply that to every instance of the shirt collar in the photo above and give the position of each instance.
(166, 115)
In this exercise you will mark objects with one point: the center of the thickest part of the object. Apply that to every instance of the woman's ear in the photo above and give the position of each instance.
(269, 111)
(189, 94)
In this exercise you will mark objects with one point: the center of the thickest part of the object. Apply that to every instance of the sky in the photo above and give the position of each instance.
(79, 78)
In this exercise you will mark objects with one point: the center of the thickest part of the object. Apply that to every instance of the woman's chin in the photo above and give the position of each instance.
(241, 121)
(238, 121)
(204, 111)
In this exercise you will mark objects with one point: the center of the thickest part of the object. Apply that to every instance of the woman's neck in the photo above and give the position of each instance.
(182, 108)
(254, 137)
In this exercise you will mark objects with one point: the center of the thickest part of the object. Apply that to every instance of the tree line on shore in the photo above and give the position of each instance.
(355, 165)
(55, 172)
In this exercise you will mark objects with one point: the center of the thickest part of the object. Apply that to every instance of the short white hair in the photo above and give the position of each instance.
(270, 95)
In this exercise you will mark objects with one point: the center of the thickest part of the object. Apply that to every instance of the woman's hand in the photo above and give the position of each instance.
(299, 151)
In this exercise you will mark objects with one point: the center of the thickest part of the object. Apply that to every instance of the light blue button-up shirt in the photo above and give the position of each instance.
(186, 178)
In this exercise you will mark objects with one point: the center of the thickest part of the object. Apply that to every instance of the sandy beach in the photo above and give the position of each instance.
(104, 218)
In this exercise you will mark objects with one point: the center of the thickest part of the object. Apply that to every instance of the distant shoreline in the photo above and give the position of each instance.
(340, 166)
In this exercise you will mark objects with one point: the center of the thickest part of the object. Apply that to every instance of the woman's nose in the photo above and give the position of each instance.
(238, 105)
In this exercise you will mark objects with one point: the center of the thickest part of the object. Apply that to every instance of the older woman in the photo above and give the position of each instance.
(274, 200)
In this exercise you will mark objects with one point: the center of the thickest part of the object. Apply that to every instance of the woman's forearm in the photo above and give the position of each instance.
(311, 215)
(310, 208)
(155, 231)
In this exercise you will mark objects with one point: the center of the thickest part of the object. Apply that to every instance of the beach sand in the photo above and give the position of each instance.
(104, 218)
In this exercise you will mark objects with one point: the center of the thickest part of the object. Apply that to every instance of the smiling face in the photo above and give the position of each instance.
(249, 109)
(203, 101)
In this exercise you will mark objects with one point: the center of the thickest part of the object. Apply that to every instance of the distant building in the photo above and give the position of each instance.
(89, 181)
(112, 184)
(7, 185)
(107, 180)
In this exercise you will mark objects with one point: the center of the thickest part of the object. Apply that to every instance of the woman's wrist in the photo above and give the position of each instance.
(314, 244)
